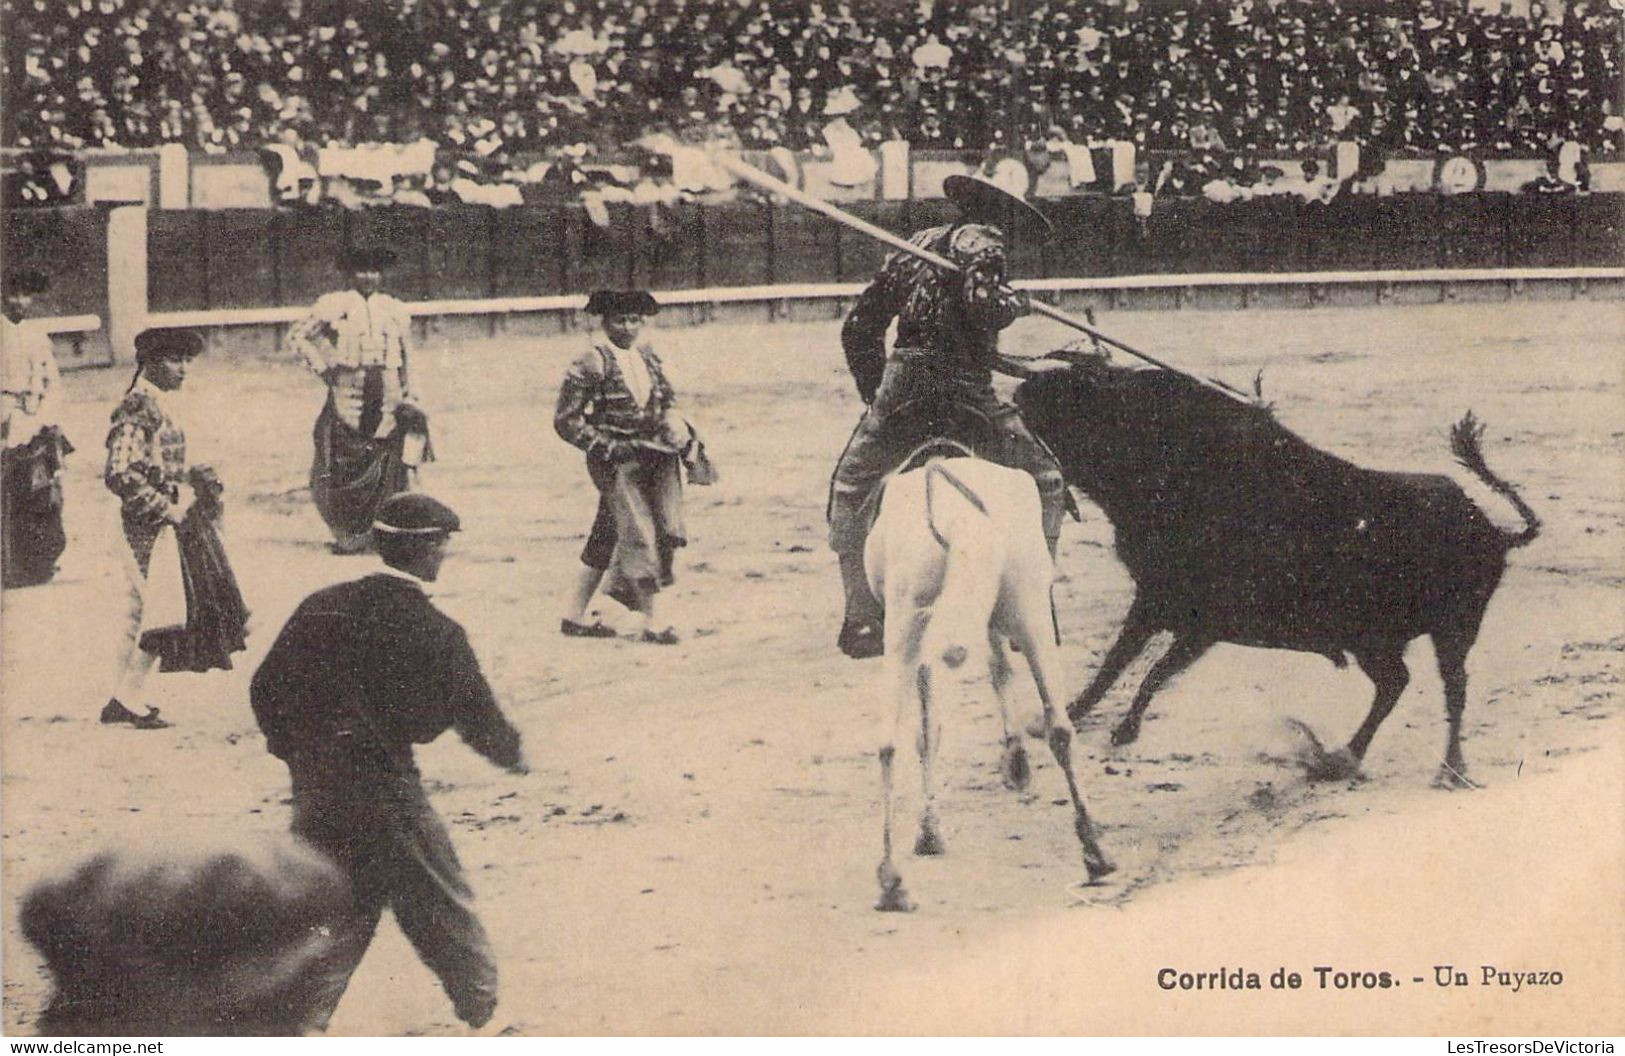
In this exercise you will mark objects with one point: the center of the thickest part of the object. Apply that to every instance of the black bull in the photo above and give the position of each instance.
(1236, 530)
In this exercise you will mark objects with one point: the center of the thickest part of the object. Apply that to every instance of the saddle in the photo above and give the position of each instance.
(935, 447)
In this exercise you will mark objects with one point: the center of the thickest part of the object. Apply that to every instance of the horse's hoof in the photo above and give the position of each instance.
(1099, 868)
(1453, 779)
(929, 843)
(1333, 766)
(894, 900)
(1125, 732)
(1013, 767)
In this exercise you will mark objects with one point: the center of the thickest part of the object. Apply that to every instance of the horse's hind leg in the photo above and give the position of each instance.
(893, 899)
(1013, 766)
(929, 841)
(1041, 659)
(902, 653)
(1184, 651)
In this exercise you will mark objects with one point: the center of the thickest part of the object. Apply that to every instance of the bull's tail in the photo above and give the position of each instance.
(965, 603)
(1466, 438)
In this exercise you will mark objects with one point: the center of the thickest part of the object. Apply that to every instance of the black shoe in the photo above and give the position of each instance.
(576, 629)
(862, 640)
(115, 713)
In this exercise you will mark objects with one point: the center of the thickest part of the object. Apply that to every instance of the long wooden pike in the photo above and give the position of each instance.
(1011, 365)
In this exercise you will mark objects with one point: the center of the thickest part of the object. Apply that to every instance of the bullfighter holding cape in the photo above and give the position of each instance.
(617, 405)
(185, 610)
(371, 435)
(31, 442)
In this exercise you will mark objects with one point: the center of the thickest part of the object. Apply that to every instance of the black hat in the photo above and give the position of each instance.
(366, 258)
(981, 201)
(414, 513)
(27, 281)
(167, 343)
(212, 939)
(622, 302)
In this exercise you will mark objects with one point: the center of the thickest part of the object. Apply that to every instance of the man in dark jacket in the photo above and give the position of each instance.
(361, 672)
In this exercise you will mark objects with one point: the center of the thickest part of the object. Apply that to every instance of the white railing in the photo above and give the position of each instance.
(221, 317)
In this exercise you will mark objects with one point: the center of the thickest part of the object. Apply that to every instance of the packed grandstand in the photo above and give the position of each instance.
(502, 77)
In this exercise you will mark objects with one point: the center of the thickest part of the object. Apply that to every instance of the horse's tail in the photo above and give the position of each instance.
(965, 603)
(1466, 444)
(933, 472)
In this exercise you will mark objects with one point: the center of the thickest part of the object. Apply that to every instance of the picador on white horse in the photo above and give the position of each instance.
(938, 380)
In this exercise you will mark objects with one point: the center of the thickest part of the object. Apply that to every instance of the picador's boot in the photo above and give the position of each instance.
(863, 629)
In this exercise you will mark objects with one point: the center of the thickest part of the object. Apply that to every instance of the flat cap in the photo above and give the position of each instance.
(622, 302)
(366, 258)
(167, 343)
(26, 280)
(414, 513)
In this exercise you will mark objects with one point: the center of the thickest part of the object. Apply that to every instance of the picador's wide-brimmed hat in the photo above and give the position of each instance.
(167, 343)
(981, 201)
(622, 302)
(366, 258)
(25, 281)
(412, 513)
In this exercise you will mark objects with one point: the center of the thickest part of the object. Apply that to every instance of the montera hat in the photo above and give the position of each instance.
(167, 343)
(366, 258)
(26, 281)
(622, 302)
(414, 513)
(981, 201)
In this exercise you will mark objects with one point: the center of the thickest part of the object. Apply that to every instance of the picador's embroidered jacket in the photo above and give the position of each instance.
(954, 319)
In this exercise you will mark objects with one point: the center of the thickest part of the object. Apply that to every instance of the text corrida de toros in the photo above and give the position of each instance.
(1324, 977)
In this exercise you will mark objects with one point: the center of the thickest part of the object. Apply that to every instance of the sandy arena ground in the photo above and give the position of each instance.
(695, 850)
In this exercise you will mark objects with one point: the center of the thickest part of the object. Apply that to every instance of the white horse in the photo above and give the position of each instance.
(957, 555)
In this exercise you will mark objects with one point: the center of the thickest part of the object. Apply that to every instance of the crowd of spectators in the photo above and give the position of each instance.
(499, 78)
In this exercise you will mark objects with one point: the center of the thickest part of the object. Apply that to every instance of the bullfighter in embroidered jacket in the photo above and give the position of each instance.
(617, 405)
(163, 501)
(938, 379)
(371, 434)
(31, 535)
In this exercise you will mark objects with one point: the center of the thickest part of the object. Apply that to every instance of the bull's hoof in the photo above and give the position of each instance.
(1126, 732)
(1013, 766)
(929, 843)
(893, 899)
(1453, 778)
(1333, 766)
